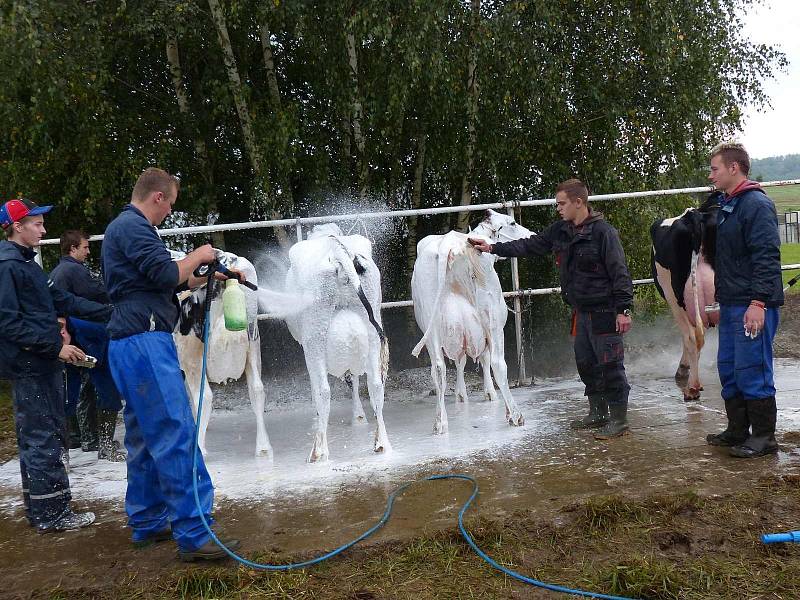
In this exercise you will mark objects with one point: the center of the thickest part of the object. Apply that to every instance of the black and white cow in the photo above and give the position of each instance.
(683, 270)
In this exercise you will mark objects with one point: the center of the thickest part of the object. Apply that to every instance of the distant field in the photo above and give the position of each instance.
(790, 255)
(786, 198)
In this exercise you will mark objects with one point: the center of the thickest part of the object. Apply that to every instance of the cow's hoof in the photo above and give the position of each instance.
(439, 428)
(460, 397)
(383, 447)
(265, 452)
(516, 419)
(318, 458)
(691, 396)
(490, 397)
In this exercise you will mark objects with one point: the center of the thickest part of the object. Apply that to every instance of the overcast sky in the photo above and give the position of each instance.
(777, 130)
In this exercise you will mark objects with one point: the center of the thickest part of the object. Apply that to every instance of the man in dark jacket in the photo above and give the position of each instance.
(596, 283)
(93, 394)
(31, 355)
(749, 290)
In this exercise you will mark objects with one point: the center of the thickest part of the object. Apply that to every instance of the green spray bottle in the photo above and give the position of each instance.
(234, 306)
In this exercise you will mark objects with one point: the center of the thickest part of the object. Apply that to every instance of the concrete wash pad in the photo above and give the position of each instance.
(290, 505)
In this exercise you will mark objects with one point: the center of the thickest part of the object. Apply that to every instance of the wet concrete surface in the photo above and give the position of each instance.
(287, 506)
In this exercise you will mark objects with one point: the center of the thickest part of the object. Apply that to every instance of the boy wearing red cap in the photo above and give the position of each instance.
(32, 354)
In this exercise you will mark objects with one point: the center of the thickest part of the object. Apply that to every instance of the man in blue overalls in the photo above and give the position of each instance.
(141, 280)
(750, 294)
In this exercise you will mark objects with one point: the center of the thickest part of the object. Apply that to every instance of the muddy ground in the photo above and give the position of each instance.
(657, 514)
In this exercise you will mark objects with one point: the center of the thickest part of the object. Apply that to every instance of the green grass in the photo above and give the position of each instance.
(790, 255)
(786, 198)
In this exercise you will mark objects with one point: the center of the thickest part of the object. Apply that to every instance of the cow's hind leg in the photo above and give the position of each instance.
(488, 384)
(461, 385)
(321, 392)
(439, 377)
(500, 372)
(208, 401)
(359, 418)
(255, 387)
(376, 387)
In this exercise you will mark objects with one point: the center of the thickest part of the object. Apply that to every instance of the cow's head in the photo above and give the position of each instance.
(501, 228)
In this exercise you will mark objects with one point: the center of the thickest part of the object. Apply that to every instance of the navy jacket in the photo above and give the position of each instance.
(72, 276)
(30, 337)
(140, 276)
(593, 271)
(748, 261)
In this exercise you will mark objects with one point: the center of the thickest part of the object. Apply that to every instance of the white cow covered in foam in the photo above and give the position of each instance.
(458, 304)
(337, 320)
(230, 353)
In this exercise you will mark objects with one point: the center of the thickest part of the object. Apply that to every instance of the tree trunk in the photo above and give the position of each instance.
(416, 202)
(285, 193)
(263, 203)
(173, 58)
(472, 115)
(413, 221)
(355, 101)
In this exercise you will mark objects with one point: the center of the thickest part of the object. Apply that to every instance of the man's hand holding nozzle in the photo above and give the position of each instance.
(480, 245)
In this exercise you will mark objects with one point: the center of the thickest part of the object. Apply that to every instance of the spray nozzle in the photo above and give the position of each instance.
(222, 264)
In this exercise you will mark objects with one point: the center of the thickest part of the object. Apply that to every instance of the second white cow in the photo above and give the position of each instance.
(459, 305)
(337, 320)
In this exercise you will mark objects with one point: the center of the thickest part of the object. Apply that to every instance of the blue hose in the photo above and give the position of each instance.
(774, 538)
(383, 520)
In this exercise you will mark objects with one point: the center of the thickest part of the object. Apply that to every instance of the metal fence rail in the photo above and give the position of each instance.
(509, 207)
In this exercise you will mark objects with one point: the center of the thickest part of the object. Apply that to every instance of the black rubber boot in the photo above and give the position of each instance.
(598, 414)
(68, 520)
(107, 448)
(763, 414)
(738, 429)
(87, 408)
(73, 433)
(208, 551)
(618, 425)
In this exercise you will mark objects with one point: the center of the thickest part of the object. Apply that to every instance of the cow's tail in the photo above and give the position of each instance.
(353, 268)
(465, 274)
(699, 330)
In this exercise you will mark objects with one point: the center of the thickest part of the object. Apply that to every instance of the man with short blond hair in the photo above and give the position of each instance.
(749, 289)
(142, 280)
(596, 283)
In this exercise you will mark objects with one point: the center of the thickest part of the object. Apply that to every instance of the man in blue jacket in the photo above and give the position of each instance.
(141, 279)
(32, 353)
(749, 290)
(92, 395)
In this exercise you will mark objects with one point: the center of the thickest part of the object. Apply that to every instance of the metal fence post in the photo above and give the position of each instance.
(521, 375)
(298, 227)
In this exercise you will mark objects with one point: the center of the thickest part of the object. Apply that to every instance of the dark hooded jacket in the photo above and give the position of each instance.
(29, 309)
(592, 267)
(748, 258)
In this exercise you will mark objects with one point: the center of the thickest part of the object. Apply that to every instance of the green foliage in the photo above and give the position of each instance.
(625, 96)
(775, 168)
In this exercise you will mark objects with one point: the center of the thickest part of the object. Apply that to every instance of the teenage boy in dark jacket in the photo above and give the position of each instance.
(32, 354)
(749, 290)
(596, 283)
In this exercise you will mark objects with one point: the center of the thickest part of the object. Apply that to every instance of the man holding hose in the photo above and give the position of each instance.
(142, 279)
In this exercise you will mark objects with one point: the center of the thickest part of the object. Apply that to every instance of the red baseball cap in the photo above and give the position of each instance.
(14, 211)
